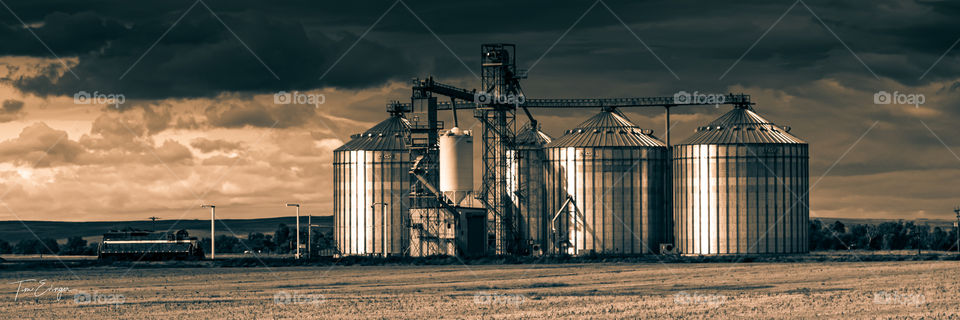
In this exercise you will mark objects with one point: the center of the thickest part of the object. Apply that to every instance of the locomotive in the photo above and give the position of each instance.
(148, 245)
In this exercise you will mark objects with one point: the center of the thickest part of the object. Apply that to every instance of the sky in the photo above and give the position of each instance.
(182, 108)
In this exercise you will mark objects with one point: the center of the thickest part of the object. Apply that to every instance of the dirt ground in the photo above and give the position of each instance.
(904, 289)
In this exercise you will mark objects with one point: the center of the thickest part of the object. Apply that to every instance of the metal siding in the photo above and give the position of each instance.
(619, 197)
(741, 198)
(720, 192)
(636, 198)
(371, 170)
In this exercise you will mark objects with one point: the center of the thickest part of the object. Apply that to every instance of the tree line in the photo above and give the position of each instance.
(74, 246)
(893, 235)
(281, 241)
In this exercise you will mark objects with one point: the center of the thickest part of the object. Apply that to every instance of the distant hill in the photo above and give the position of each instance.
(14, 231)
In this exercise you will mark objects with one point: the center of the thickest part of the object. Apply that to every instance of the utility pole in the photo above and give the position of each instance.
(916, 229)
(153, 223)
(309, 236)
(213, 217)
(957, 211)
(298, 226)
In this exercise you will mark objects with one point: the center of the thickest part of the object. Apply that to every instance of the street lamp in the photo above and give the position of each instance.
(298, 226)
(213, 217)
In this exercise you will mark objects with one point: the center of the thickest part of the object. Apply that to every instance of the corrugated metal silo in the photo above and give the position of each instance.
(371, 190)
(525, 178)
(740, 188)
(614, 174)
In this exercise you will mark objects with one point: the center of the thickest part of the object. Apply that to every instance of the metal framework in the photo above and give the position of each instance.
(495, 106)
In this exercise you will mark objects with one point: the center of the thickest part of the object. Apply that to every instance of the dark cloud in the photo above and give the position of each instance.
(156, 117)
(298, 41)
(207, 145)
(201, 57)
(11, 110)
(238, 117)
(12, 106)
(64, 34)
(241, 114)
(173, 152)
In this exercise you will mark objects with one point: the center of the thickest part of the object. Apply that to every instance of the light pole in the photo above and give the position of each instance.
(213, 217)
(298, 226)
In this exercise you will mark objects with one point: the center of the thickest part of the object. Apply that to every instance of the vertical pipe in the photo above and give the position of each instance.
(453, 108)
(667, 186)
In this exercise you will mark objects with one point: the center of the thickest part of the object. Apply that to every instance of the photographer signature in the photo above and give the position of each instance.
(38, 288)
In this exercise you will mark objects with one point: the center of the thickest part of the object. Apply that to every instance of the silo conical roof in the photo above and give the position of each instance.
(389, 134)
(742, 125)
(528, 136)
(609, 128)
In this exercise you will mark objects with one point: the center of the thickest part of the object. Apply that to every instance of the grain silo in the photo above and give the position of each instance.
(371, 190)
(605, 185)
(740, 188)
(525, 176)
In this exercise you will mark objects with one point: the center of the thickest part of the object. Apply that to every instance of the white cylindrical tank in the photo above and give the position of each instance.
(456, 164)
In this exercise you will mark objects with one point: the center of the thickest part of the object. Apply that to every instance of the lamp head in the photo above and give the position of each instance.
(293, 205)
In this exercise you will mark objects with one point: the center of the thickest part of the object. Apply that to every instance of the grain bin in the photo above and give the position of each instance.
(606, 183)
(740, 187)
(525, 177)
(371, 190)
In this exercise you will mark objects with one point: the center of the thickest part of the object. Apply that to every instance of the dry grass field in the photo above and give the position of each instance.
(847, 290)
